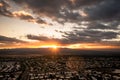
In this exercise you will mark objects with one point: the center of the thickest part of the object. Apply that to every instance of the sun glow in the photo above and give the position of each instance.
(90, 46)
(53, 48)
(50, 46)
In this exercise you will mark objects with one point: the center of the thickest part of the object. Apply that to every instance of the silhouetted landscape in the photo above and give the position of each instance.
(67, 64)
(62, 51)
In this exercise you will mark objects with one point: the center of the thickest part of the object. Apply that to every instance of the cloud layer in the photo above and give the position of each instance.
(8, 42)
(96, 21)
(71, 9)
(23, 15)
(4, 39)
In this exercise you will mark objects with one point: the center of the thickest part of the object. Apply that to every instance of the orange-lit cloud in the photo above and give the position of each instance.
(73, 1)
(21, 13)
(91, 46)
(55, 45)
(82, 13)
(1, 5)
(27, 16)
(44, 42)
(80, 45)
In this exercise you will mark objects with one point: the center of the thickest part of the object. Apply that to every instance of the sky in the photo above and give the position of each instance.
(76, 24)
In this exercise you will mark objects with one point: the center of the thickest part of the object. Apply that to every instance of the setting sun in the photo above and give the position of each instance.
(49, 46)
(54, 47)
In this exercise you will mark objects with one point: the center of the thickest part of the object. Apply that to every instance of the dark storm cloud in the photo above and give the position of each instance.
(53, 8)
(79, 3)
(108, 10)
(4, 39)
(43, 7)
(43, 3)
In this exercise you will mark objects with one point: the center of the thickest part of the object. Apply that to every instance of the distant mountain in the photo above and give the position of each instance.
(61, 51)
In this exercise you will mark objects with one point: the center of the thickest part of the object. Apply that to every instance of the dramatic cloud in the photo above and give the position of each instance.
(27, 16)
(68, 10)
(81, 20)
(88, 41)
(6, 40)
(87, 36)
(98, 26)
(23, 15)
(4, 9)
(77, 37)
(40, 38)
(108, 9)
(58, 8)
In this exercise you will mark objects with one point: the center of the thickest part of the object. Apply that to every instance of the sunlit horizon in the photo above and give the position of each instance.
(73, 24)
(53, 46)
